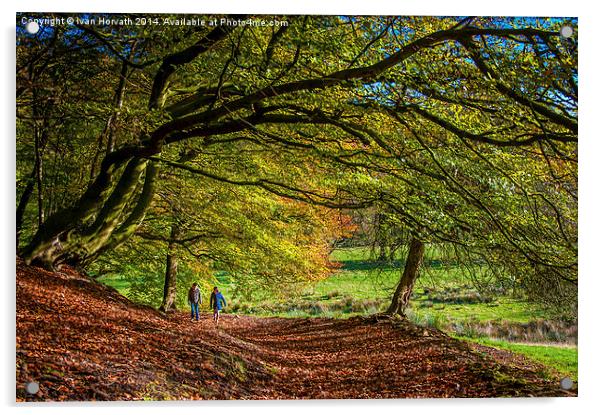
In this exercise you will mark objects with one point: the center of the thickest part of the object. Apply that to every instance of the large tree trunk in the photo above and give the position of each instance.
(410, 274)
(171, 271)
(68, 236)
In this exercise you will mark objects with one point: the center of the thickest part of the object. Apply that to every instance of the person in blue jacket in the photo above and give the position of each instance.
(217, 302)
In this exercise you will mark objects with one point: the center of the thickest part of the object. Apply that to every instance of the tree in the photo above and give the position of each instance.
(389, 112)
(401, 297)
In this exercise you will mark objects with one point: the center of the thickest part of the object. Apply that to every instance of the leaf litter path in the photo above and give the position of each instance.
(81, 340)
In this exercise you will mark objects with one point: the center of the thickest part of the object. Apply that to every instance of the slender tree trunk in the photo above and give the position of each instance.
(39, 178)
(118, 104)
(39, 137)
(171, 272)
(25, 197)
(110, 128)
(53, 199)
(410, 274)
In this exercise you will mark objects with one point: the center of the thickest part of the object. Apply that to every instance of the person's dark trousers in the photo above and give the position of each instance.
(194, 310)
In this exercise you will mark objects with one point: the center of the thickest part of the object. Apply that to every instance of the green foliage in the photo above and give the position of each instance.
(147, 287)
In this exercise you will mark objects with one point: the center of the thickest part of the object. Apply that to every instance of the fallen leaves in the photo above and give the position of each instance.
(83, 341)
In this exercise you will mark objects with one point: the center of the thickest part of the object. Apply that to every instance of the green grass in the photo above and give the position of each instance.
(503, 309)
(118, 282)
(361, 285)
(562, 359)
(360, 278)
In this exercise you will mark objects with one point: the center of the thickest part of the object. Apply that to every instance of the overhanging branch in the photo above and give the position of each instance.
(279, 189)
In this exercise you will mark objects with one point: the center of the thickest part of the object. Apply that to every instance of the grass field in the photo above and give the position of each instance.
(364, 286)
(562, 359)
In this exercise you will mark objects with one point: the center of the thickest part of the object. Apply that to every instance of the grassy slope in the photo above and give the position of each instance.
(562, 359)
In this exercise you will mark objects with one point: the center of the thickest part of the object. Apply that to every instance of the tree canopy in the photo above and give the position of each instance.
(258, 144)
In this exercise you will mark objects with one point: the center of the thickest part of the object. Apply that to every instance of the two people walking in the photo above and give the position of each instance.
(216, 302)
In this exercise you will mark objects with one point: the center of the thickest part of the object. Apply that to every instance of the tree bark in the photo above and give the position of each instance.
(40, 138)
(410, 274)
(171, 272)
(129, 226)
(36, 177)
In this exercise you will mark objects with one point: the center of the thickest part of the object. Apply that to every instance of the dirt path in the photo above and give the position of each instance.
(83, 341)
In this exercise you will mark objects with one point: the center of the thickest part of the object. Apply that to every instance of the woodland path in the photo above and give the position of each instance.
(81, 340)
